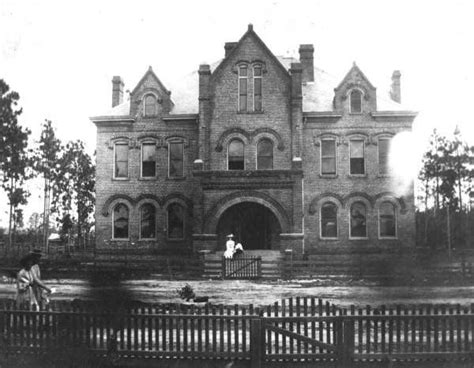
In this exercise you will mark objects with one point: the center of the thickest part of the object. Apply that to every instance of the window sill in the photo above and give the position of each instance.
(356, 113)
(120, 240)
(250, 112)
(148, 178)
(388, 238)
(365, 238)
(120, 179)
(328, 176)
(328, 239)
(361, 176)
(147, 239)
(179, 178)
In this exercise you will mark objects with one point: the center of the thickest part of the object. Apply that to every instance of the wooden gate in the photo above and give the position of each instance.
(242, 268)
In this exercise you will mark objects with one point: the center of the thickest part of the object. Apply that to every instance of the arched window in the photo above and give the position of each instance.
(120, 221)
(150, 105)
(356, 101)
(328, 220)
(257, 88)
(387, 221)
(175, 221)
(147, 221)
(148, 160)
(235, 155)
(265, 154)
(358, 220)
(243, 77)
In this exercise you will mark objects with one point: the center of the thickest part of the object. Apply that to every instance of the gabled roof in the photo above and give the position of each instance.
(354, 68)
(251, 33)
(150, 72)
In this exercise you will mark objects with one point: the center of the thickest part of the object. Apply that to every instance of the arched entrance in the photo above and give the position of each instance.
(253, 224)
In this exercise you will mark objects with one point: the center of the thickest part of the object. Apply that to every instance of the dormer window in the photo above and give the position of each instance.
(356, 101)
(243, 76)
(257, 88)
(150, 108)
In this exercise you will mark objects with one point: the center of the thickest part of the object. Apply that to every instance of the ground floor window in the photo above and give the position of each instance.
(387, 224)
(120, 221)
(175, 221)
(358, 220)
(147, 221)
(329, 220)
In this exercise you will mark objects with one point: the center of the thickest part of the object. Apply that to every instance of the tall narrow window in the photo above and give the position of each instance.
(147, 221)
(150, 105)
(358, 220)
(257, 88)
(357, 157)
(265, 154)
(387, 223)
(329, 220)
(120, 221)
(121, 160)
(175, 221)
(148, 160)
(384, 151)
(243, 73)
(328, 156)
(356, 101)
(236, 155)
(176, 152)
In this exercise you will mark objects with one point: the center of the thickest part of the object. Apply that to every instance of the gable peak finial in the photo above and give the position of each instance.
(150, 68)
(354, 63)
(250, 28)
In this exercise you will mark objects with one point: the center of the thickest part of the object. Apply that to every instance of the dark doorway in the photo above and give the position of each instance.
(252, 224)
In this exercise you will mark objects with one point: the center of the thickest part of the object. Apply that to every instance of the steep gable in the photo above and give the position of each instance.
(355, 79)
(150, 84)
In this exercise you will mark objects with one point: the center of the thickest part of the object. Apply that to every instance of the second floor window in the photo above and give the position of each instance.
(121, 160)
(150, 105)
(357, 157)
(257, 88)
(384, 150)
(356, 101)
(235, 155)
(328, 156)
(265, 154)
(243, 75)
(176, 153)
(148, 160)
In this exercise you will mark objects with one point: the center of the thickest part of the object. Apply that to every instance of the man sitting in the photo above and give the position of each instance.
(238, 249)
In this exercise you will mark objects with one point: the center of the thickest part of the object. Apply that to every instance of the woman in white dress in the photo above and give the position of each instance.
(229, 247)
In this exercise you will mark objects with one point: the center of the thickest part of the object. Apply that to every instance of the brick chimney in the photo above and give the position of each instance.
(228, 47)
(307, 62)
(117, 91)
(204, 79)
(395, 92)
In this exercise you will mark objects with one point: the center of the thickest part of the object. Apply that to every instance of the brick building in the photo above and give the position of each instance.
(269, 148)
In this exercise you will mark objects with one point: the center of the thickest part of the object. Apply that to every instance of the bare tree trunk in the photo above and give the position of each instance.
(46, 215)
(448, 220)
(10, 218)
(425, 235)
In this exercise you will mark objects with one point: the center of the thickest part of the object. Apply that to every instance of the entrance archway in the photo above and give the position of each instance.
(252, 224)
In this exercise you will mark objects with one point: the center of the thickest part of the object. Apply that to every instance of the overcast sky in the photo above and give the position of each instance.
(61, 55)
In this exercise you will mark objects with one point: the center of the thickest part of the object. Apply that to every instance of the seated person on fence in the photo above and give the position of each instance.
(229, 247)
(238, 250)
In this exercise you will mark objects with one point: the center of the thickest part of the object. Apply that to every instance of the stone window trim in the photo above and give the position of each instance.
(120, 142)
(366, 207)
(249, 137)
(143, 143)
(185, 208)
(140, 207)
(321, 203)
(114, 205)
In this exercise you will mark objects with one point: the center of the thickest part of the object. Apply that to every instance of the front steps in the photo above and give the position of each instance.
(271, 267)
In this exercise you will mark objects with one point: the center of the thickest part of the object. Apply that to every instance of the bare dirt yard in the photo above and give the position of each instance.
(261, 292)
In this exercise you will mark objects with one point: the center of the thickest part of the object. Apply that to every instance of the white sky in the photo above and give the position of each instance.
(61, 55)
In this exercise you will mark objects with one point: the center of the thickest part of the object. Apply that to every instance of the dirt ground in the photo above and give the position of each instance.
(263, 293)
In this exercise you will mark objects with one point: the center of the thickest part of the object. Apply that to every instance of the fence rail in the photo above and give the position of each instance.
(295, 330)
(242, 267)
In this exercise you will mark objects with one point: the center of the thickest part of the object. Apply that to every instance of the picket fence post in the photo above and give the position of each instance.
(257, 342)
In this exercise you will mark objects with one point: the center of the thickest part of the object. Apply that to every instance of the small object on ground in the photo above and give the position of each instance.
(201, 299)
(53, 290)
(186, 293)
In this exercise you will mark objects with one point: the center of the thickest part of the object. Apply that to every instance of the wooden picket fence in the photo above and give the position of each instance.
(293, 331)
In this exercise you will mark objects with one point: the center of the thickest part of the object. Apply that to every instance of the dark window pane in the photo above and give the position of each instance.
(150, 105)
(121, 160)
(358, 220)
(356, 101)
(387, 220)
(329, 220)
(175, 221)
(148, 222)
(384, 149)
(120, 230)
(176, 160)
(243, 94)
(357, 166)
(328, 165)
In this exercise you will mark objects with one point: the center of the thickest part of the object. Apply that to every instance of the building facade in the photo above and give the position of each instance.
(271, 149)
